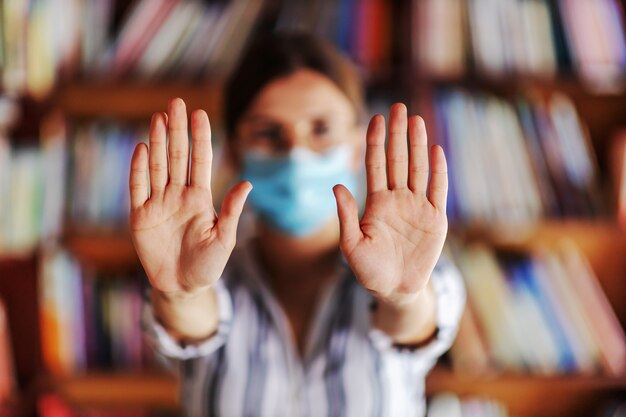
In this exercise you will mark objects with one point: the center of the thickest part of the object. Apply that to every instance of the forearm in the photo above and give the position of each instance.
(190, 318)
(410, 323)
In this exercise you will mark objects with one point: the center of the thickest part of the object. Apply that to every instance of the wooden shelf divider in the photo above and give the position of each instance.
(533, 395)
(117, 390)
(102, 249)
(136, 100)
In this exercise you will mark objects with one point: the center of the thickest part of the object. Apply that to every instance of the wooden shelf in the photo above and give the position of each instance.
(103, 249)
(513, 83)
(118, 390)
(135, 101)
(534, 396)
(545, 232)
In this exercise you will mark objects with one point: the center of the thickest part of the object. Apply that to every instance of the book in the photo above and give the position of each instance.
(595, 35)
(606, 327)
(441, 47)
(7, 371)
(618, 175)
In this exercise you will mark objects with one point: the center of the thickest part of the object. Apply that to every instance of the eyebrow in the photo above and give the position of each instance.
(265, 118)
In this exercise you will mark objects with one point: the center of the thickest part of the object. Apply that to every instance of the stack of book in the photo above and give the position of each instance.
(552, 295)
(537, 38)
(90, 321)
(514, 162)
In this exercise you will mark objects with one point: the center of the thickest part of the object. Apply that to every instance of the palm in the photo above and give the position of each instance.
(396, 244)
(180, 241)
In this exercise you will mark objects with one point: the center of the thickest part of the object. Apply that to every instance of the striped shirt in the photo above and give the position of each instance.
(251, 366)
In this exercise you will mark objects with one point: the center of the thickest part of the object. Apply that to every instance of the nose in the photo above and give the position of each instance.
(296, 134)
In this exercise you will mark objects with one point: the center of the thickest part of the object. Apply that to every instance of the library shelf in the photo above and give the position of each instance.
(529, 395)
(135, 100)
(147, 390)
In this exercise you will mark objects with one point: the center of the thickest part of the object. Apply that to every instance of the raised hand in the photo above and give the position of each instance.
(393, 249)
(182, 244)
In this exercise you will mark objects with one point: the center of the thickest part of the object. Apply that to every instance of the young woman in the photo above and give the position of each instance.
(318, 312)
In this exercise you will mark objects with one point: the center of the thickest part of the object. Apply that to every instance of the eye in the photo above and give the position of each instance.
(321, 128)
(270, 134)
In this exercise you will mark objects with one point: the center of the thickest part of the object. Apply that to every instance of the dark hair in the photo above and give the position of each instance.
(278, 55)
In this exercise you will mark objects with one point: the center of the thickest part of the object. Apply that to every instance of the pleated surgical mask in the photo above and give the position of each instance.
(294, 192)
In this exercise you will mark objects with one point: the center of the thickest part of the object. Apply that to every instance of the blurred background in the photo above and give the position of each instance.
(527, 97)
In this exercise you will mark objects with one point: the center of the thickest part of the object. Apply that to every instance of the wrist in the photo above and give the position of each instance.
(402, 301)
(172, 297)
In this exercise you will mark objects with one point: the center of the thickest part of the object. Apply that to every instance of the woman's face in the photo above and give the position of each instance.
(302, 109)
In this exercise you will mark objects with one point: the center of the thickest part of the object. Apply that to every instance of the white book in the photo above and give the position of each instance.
(571, 305)
(54, 158)
(201, 42)
(25, 196)
(440, 35)
(492, 301)
(5, 190)
(487, 36)
(606, 327)
(582, 353)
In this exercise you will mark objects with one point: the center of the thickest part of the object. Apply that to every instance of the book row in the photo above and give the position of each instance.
(537, 38)
(551, 296)
(514, 161)
(89, 320)
(156, 39)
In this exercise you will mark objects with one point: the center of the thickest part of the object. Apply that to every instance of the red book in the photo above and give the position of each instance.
(7, 375)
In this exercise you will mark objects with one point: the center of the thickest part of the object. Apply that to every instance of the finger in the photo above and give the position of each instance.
(231, 211)
(397, 152)
(138, 179)
(201, 152)
(438, 192)
(179, 142)
(375, 166)
(418, 156)
(158, 153)
(348, 213)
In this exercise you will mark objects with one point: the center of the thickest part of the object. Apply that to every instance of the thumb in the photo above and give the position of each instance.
(231, 210)
(348, 212)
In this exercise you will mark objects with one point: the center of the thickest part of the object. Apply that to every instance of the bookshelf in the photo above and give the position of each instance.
(84, 98)
(598, 237)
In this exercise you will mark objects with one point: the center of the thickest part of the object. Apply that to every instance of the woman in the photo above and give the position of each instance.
(318, 313)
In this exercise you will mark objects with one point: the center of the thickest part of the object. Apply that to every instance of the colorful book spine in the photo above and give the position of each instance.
(514, 163)
(90, 320)
(553, 295)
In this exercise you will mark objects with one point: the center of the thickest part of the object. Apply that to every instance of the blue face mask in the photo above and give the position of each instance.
(294, 192)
